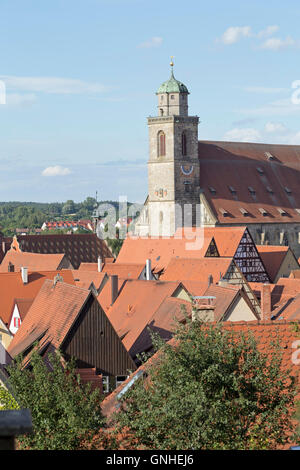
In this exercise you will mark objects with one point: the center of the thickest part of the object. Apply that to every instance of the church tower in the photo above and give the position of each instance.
(173, 166)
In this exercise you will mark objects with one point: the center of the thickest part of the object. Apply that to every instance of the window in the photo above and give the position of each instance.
(183, 144)
(172, 97)
(161, 144)
(105, 383)
(161, 112)
(120, 379)
(0, 338)
(17, 322)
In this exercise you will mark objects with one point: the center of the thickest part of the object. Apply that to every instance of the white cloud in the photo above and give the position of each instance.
(243, 135)
(51, 85)
(18, 100)
(268, 31)
(235, 33)
(275, 44)
(56, 171)
(153, 42)
(275, 127)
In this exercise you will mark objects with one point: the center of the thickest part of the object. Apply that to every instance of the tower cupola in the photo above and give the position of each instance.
(172, 97)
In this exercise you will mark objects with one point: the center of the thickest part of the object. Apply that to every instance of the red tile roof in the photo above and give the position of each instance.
(124, 270)
(105, 296)
(238, 163)
(196, 269)
(273, 257)
(12, 287)
(23, 306)
(134, 308)
(46, 320)
(227, 239)
(161, 250)
(77, 247)
(86, 278)
(32, 261)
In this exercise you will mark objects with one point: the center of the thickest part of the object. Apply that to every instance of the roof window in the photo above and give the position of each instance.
(269, 156)
(288, 190)
(232, 190)
(251, 190)
(212, 190)
(270, 190)
(263, 211)
(224, 212)
(281, 211)
(260, 170)
(244, 212)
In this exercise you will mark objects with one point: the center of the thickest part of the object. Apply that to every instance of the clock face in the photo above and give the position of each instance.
(187, 170)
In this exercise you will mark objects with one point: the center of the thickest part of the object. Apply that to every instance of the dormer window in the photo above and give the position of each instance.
(224, 212)
(288, 190)
(263, 211)
(244, 212)
(251, 191)
(232, 190)
(281, 211)
(270, 190)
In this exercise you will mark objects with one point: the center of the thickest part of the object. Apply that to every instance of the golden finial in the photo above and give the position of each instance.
(172, 62)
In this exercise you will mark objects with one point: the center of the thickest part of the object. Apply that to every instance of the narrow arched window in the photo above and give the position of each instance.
(183, 144)
(161, 144)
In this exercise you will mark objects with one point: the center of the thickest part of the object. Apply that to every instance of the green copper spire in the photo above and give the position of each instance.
(172, 85)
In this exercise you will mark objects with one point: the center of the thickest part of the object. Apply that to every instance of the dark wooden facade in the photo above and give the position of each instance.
(93, 341)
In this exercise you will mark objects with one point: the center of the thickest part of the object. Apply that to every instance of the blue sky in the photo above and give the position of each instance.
(81, 77)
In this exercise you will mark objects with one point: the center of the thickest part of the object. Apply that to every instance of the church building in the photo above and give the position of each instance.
(209, 183)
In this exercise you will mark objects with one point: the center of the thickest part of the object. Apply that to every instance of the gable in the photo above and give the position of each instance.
(93, 341)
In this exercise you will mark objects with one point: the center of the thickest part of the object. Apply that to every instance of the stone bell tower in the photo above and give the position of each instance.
(173, 166)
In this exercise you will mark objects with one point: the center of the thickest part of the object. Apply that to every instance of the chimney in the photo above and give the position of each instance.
(4, 247)
(99, 264)
(148, 269)
(10, 267)
(24, 274)
(114, 288)
(266, 303)
(203, 309)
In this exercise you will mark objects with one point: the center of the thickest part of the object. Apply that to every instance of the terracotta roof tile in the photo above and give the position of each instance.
(239, 162)
(272, 257)
(32, 261)
(196, 269)
(12, 287)
(78, 248)
(46, 320)
(134, 308)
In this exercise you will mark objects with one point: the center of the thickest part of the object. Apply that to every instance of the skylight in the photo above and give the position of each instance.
(269, 156)
(232, 190)
(263, 211)
(244, 212)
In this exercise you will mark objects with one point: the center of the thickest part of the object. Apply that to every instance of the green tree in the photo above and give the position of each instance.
(64, 411)
(7, 401)
(212, 390)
